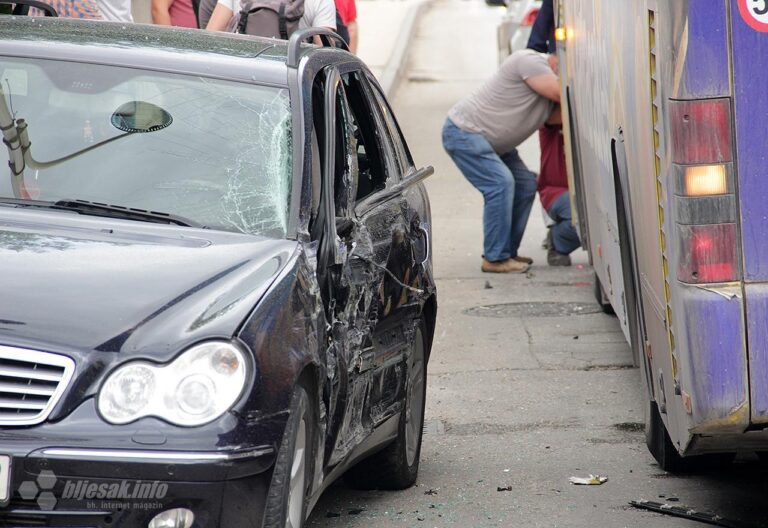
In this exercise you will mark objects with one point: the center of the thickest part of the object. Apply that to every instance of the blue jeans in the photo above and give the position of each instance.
(508, 189)
(564, 236)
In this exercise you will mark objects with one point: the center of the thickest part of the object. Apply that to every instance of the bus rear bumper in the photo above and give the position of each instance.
(712, 361)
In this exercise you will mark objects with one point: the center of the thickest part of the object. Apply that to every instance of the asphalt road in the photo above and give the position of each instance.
(520, 397)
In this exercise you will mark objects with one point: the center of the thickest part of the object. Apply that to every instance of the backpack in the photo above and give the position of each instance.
(269, 18)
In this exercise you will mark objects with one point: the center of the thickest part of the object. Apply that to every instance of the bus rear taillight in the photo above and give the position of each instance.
(706, 180)
(708, 253)
(701, 131)
(705, 200)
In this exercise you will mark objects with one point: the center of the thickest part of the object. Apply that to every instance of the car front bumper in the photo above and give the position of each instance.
(128, 488)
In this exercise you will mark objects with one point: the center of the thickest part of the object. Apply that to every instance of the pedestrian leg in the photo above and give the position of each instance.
(525, 192)
(564, 237)
(483, 168)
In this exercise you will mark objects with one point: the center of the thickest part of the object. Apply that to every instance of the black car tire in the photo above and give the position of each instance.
(396, 467)
(298, 430)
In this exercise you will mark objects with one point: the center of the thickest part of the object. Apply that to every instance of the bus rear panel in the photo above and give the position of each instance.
(667, 125)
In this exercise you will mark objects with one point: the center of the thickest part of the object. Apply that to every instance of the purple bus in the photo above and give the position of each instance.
(666, 117)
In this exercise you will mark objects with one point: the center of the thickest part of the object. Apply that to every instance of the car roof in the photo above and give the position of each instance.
(162, 48)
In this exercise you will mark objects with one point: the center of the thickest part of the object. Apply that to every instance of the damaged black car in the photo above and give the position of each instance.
(216, 289)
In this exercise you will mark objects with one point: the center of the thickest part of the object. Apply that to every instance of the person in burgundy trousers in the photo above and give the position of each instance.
(562, 239)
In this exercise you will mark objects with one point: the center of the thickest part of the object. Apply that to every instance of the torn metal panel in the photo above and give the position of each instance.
(377, 298)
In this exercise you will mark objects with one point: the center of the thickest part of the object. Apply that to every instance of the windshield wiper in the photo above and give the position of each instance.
(101, 209)
(119, 211)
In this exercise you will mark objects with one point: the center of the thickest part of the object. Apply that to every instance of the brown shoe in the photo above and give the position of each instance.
(504, 266)
(524, 260)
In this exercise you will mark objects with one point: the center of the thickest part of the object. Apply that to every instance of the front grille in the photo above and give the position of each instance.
(31, 383)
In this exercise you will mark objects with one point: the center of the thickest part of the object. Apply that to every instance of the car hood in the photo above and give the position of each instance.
(85, 284)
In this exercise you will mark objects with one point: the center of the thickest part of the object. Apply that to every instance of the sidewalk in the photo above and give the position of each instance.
(386, 28)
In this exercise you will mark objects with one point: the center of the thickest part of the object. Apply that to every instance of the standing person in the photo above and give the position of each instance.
(116, 10)
(204, 12)
(317, 13)
(482, 133)
(562, 238)
(542, 37)
(179, 13)
(347, 10)
(341, 27)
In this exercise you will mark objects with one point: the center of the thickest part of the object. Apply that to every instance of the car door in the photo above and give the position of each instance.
(419, 212)
(368, 268)
(389, 210)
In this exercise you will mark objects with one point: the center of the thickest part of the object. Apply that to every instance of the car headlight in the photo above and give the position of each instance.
(195, 388)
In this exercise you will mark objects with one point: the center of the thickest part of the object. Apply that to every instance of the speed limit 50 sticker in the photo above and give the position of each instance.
(755, 13)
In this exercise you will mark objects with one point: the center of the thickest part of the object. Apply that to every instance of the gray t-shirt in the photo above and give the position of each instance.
(505, 109)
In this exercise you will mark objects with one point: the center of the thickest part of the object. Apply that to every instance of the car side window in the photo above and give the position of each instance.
(318, 156)
(347, 173)
(403, 155)
(373, 167)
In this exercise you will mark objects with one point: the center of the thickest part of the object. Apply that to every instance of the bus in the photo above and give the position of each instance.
(665, 106)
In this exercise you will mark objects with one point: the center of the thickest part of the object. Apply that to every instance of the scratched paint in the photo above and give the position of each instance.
(714, 364)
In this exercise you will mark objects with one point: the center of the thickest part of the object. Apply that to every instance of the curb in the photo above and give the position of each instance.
(396, 65)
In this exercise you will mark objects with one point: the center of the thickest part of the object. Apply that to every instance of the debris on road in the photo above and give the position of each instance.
(592, 480)
(431, 491)
(686, 513)
(504, 488)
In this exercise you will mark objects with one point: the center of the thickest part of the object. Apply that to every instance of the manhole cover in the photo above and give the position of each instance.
(534, 309)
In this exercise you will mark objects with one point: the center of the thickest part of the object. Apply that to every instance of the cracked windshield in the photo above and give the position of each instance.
(156, 142)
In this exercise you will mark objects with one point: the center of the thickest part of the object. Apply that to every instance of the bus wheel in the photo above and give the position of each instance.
(601, 297)
(664, 451)
(658, 442)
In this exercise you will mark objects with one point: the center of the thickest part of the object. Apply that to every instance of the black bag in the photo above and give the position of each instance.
(269, 18)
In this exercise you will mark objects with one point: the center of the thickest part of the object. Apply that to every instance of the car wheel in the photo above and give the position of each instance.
(287, 498)
(397, 466)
